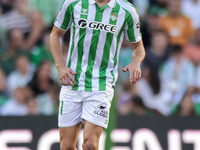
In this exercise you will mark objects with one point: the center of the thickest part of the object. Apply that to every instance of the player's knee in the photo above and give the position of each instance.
(89, 145)
(67, 147)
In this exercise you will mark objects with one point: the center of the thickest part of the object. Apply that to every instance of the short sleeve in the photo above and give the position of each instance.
(63, 19)
(132, 28)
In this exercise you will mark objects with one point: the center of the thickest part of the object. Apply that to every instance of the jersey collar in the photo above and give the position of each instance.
(110, 3)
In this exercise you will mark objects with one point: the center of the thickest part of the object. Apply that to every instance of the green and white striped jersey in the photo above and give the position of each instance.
(96, 38)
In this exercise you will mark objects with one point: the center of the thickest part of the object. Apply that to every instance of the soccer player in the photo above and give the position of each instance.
(89, 76)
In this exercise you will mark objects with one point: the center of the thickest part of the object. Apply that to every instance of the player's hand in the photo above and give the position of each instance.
(134, 71)
(65, 76)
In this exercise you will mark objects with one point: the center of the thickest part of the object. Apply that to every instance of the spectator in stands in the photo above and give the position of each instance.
(0, 32)
(192, 51)
(49, 102)
(42, 78)
(49, 13)
(124, 97)
(178, 72)
(178, 27)
(159, 8)
(191, 9)
(142, 7)
(158, 52)
(152, 92)
(2, 80)
(42, 52)
(18, 17)
(198, 78)
(14, 49)
(15, 106)
(177, 75)
(149, 26)
(37, 26)
(2, 29)
(6, 5)
(0, 44)
(187, 107)
(1, 11)
(32, 106)
(21, 76)
(196, 95)
(138, 107)
(3, 96)
(21, 17)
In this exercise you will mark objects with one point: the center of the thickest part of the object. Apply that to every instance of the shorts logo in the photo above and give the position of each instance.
(82, 23)
(101, 110)
(106, 121)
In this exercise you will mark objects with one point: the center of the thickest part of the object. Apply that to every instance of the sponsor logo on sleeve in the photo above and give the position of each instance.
(138, 25)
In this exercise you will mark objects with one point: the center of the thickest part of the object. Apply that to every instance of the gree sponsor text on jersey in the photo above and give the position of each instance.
(97, 25)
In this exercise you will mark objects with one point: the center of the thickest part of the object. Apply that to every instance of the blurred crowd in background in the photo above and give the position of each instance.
(170, 83)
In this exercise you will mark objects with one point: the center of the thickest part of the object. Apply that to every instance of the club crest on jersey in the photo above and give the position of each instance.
(82, 23)
(113, 17)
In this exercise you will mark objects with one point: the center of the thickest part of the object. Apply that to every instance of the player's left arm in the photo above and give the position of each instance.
(137, 58)
(133, 35)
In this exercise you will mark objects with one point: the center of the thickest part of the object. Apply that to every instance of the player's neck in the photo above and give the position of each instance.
(102, 3)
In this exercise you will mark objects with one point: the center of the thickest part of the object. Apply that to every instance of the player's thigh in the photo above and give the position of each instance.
(91, 135)
(69, 118)
(96, 107)
(70, 110)
(69, 136)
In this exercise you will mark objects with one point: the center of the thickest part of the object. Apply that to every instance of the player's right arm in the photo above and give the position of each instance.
(62, 24)
(64, 72)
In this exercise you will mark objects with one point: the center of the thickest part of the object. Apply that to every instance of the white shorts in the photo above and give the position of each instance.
(76, 106)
